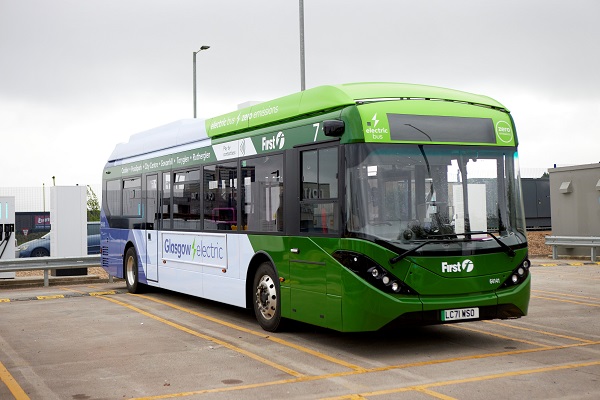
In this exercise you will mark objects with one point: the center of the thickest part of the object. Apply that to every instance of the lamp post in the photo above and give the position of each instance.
(302, 66)
(196, 52)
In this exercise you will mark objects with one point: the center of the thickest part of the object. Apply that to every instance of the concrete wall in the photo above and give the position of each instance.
(575, 199)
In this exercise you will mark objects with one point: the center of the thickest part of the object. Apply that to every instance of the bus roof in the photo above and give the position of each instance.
(174, 134)
(316, 100)
(324, 98)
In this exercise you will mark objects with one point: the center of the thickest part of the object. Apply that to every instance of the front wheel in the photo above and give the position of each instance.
(267, 302)
(131, 271)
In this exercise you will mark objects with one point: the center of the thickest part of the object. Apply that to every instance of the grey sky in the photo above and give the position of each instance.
(76, 77)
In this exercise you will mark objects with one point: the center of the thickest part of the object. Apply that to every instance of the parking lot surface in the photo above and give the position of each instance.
(96, 341)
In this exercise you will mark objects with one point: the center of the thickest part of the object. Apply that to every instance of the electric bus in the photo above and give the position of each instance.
(354, 207)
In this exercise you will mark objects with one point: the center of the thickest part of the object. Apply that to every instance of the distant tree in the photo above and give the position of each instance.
(545, 175)
(93, 205)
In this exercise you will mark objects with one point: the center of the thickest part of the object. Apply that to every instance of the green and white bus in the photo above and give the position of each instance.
(353, 207)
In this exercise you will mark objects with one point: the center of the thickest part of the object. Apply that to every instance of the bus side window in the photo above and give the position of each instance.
(319, 191)
(220, 196)
(262, 194)
(166, 201)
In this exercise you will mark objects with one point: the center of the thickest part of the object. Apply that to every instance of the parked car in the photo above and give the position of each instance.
(41, 247)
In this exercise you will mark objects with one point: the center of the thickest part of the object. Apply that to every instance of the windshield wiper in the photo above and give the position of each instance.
(399, 257)
(510, 252)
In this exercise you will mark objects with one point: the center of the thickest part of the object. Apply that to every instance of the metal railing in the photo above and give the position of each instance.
(573, 241)
(48, 263)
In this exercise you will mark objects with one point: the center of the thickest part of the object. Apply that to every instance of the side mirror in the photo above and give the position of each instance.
(334, 127)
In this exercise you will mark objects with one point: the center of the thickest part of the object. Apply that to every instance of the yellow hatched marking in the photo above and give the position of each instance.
(421, 388)
(497, 335)
(371, 370)
(259, 334)
(15, 389)
(435, 394)
(566, 295)
(206, 337)
(542, 332)
(566, 301)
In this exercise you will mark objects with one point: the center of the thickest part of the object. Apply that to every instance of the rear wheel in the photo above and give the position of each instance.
(131, 271)
(267, 302)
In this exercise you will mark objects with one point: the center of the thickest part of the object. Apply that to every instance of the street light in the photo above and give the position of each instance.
(302, 64)
(196, 52)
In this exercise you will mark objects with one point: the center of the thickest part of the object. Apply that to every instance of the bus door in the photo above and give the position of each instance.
(151, 225)
(310, 264)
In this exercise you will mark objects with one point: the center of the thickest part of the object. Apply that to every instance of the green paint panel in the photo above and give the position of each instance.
(461, 274)
(322, 98)
(517, 295)
(326, 98)
(365, 308)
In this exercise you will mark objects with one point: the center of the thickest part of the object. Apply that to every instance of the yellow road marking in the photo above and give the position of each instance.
(497, 335)
(206, 337)
(259, 334)
(107, 292)
(567, 295)
(566, 301)
(4, 300)
(12, 385)
(542, 332)
(471, 380)
(370, 370)
(434, 394)
(54, 296)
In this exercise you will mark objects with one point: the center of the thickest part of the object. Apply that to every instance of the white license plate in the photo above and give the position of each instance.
(460, 313)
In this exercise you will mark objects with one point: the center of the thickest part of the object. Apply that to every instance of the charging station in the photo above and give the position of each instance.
(68, 218)
(7, 233)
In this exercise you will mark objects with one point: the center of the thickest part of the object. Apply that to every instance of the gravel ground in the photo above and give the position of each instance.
(98, 271)
(537, 247)
(535, 239)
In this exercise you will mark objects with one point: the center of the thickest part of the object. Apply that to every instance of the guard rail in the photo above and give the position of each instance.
(48, 263)
(592, 242)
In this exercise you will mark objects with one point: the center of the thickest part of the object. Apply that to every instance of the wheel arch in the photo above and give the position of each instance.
(258, 258)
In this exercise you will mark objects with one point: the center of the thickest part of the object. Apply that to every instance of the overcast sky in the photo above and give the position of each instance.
(79, 76)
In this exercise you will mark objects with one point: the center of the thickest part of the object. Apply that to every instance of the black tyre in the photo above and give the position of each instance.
(131, 271)
(40, 252)
(267, 302)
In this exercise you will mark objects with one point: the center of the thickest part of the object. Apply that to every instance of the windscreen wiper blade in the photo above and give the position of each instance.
(510, 252)
(399, 257)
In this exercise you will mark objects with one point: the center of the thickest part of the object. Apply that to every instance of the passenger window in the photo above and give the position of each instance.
(262, 194)
(319, 205)
(132, 197)
(220, 196)
(113, 197)
(186, 200)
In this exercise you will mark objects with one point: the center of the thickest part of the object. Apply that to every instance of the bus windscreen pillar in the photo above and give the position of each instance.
(7, 232)
(68, 219)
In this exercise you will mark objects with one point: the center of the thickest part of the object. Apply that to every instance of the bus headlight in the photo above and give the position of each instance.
(518, 275)
(372, 272)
